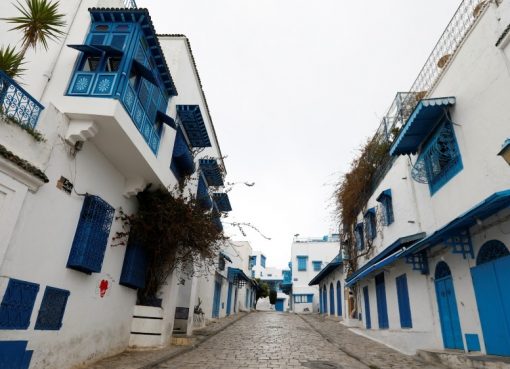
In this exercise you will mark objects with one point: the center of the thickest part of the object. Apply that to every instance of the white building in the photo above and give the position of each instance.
(308, 257)
(437, 222)
(119, 108)
(258, 264)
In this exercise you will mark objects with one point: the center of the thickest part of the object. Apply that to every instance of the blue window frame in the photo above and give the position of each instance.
(17, 304)
(441, 159)
(263, 261)
(253, 261)
(370, 223)
(302, 261)
(51, 312)
(317, 265)
(91, 237)
(134, 266)
(386, 200)
(303, 298)
(404, 307)
(358, 235)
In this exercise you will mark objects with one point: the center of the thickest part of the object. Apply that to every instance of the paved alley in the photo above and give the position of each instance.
(278, 340)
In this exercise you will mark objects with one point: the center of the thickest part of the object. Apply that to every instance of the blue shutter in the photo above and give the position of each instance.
(203, 197)
(17, 304)
(403, 302)
(358, 235)
(309, 298)
(388, 210)
(13, 355)
(91, 237)
(52, 309)
(182, 160)
(382, 309)
(134, 267)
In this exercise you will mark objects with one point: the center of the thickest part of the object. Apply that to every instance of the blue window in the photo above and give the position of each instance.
(303, 298)
(386, 200)
(182, 163)
(358, 235)
(287, 276)
(91, 237)
(370, 223)
(317, 265)
(17, 304)
(263, 261)
(122, 60)
(52, 309)
(253, 261)
(440, 158)
(404, 307)
(302, 261)
(134, 267)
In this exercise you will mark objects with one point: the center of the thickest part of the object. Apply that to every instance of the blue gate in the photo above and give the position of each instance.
(491, 281)
(447, 304)
(368, 321)
(229, 298)
(279, 305)
(216, 299)
(382, 308)
(338, 298)
(331, 300)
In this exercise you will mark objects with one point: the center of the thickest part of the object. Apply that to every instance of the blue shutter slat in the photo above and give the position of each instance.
(91, 237)
(133, 269)
(17, 304)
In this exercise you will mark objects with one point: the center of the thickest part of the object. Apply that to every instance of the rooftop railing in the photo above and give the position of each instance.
(17, 104)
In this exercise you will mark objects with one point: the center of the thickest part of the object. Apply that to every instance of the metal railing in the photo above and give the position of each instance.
(17, 104)
(130, 4)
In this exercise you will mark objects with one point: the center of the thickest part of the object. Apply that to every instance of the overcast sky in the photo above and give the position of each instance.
(294, 87)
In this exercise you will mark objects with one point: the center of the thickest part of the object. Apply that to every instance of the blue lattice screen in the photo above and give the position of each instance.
(91, 237)
(17, 304)
(52, 309)
(133, 269)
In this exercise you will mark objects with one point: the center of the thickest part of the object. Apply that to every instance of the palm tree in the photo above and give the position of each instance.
(39, 22)
(11, 61)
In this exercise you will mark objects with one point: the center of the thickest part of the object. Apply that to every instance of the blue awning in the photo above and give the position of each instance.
(212, 172)
(491, 205)
(203, 197)
(374, 267)
(237, 276)
(193, 122)
(332, 265)
(425, 117)
(388, 251)
(109, 50)
(87, 49)
(222, 201)
(385, 193)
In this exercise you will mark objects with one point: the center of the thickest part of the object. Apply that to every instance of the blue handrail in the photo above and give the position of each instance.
(18, 104)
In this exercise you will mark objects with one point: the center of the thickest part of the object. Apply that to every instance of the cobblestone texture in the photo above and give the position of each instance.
(373, 354)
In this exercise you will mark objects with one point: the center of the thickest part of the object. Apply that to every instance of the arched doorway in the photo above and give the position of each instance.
(491, 281)
(447, 305)
(338, 299)
(331, 299)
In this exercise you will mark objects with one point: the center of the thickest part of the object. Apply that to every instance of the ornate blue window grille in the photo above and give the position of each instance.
(17, 104)
(182, 163)
(419, 261)
(359, 237)
(386, 200)
(122, 59)
(52, 309)
(302, 261)
(440, 160)
(91, 237)
(134, 267)
(17, 304)
(491, 250)
(317, 266)
(370, 223)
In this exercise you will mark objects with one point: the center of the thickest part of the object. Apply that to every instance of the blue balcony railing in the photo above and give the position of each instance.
(17, 104)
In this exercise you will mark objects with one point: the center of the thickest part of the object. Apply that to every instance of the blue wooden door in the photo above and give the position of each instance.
(368, 321)
(447, 305)
(382, 309)
(229, 298)
(331, 300)
(279, 305)
(216, 299)
(491, 281)
(338, 299)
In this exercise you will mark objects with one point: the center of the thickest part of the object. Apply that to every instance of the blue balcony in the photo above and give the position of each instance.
(17, 104)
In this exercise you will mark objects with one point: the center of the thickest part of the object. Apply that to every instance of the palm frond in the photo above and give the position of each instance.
(11, 61)
(39, 22)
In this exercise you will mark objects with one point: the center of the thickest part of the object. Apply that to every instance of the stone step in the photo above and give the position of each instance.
(457, 359)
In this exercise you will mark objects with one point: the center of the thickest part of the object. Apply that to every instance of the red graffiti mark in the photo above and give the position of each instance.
(103, 286)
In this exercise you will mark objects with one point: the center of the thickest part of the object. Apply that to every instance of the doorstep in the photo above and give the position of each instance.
(461, 360)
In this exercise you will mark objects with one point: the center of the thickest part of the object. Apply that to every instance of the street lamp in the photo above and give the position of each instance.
(505, 151)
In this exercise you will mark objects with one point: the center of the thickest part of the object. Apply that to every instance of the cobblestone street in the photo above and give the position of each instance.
(276, 340)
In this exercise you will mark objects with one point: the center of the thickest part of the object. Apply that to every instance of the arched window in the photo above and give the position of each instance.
(442, 270)
(491, 250)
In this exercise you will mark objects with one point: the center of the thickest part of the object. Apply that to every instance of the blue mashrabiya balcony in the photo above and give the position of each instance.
(212, 172)
(17, 104)
(121, 59)
(222, 202)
